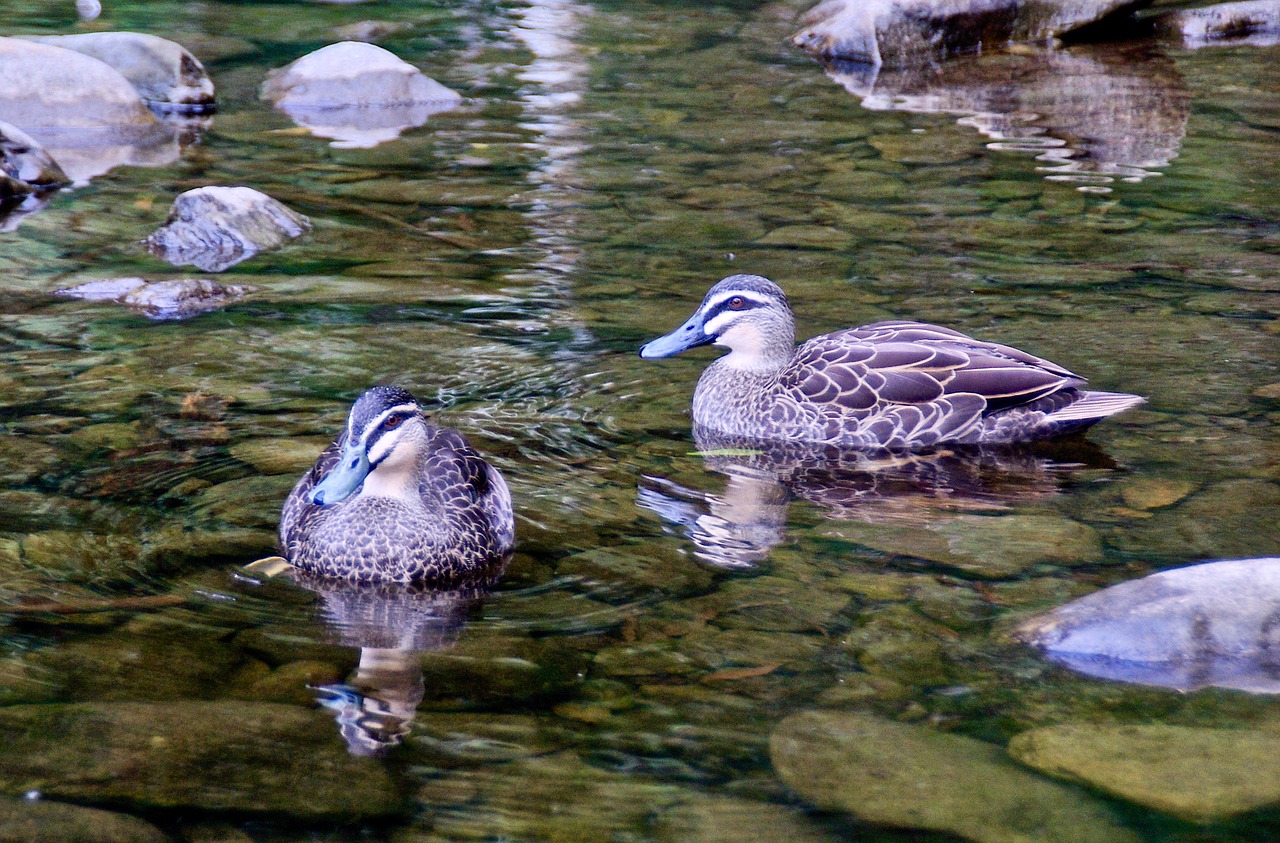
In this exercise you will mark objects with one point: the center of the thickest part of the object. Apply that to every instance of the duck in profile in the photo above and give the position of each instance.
(397, 499)
(890, 385)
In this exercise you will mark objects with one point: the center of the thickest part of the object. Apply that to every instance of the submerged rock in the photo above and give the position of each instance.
(1197, 774)
(356, 93)
(173, 299)
(215, 228)
(39, 821)
(1204, 625)
(901, 33)
(165, 74)
(903, 776)
(207, 756)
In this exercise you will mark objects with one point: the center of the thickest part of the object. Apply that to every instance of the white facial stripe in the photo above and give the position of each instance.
(406, 409)
(384, 446)
(718, 322)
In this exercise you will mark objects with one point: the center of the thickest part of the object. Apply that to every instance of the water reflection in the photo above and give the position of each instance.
(1210, 625)
(392, 626)
(1094, 114)
(738, 527)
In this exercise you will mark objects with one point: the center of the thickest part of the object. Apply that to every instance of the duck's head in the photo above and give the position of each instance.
(386, 429)
(748, 314)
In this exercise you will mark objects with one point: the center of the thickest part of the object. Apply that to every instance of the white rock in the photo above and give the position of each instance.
(22, 158)
(170, 299)
(165, 74)
(356, 93)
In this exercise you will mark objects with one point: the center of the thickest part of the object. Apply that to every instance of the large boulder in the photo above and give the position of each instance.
(165, 74)
(900, 33)
(1203, 625)
(215, 228)
(356, 93)
(39, 821)
(904, 776)
(85, 114)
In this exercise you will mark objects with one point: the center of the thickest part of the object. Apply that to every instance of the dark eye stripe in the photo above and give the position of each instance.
(747, 304)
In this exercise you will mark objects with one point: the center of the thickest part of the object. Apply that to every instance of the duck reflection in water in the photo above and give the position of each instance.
(392, 625)
(740, 526)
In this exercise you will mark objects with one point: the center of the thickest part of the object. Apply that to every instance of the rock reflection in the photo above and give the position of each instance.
(737, 528)
(1094, 114)
(1210, 625)
(392, 626)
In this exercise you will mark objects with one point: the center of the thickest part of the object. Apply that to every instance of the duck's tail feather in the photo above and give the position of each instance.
(1090, 409)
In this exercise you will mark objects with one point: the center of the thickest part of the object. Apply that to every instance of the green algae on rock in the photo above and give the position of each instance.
(915, 777)
(1198, 774)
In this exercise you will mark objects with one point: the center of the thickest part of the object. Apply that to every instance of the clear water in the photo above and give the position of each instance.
(1111, 208)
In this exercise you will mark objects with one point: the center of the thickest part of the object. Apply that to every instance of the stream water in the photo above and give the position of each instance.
(1113, 208)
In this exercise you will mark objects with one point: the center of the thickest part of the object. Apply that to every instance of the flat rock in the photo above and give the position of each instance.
(1188, 628)
(279, 455)
(179, 298)
(215, 228)
(39, 821)
(165, 74)
(1197, 774)
(914, 777)
(206, 756)
(356, 93)
(914, 32)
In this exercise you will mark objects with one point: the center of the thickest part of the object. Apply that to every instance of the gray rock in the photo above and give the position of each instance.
(24, 160)
(207, 756)
(1203, 625)
(903, 776)
(172, 299)
(279, 454)
(1197, 774)
(82, 111)
(901, 33)
(215, 228)
(166, 75)
(356, 93)
(1253, 21)
(39, 821)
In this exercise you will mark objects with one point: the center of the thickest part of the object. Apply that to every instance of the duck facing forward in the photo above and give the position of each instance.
(890, 385)
(397, 499)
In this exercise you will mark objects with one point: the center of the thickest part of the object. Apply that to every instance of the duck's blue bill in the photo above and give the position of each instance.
(344, 478)
(687, 336)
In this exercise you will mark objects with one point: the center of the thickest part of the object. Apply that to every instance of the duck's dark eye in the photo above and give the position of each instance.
(392, 422)
(737, 303)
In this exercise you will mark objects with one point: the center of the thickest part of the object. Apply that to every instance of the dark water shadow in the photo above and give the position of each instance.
(739, 526)
(1093, 114)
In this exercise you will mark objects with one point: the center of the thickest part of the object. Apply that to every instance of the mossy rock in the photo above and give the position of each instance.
(914, 777)
(208, 756)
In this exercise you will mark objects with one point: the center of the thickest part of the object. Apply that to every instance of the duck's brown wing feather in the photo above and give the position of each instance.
(869, 370)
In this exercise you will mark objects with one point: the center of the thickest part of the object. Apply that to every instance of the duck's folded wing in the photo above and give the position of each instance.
(864, 370)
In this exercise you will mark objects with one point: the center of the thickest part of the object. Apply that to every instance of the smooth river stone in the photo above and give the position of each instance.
(904, 776)
(215, 228)
(1187, 628)
(164, 73)
(41, 821)
(1198, 774)
(205, 756)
